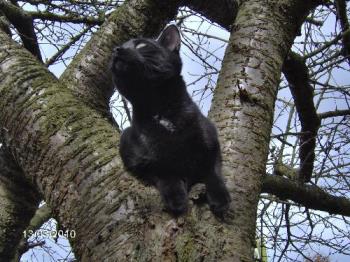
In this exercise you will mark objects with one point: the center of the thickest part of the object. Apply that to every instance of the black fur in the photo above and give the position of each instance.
(169, 144)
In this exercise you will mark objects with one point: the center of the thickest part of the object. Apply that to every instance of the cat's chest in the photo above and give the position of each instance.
(160, 131)
(165, 124)
(159, 125)
(166, 138)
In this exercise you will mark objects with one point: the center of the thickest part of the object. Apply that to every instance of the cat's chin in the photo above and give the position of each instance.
(120, 68)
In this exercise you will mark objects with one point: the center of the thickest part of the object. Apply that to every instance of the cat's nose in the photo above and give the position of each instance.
(116, 52)
(116, 49)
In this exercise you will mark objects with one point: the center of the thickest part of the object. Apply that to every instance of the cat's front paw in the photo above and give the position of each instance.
(219, 202)
(174, 195)
(177, 207)
(175, 201)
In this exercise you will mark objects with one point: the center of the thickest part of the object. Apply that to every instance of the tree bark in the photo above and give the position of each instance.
(19, 200)
(344, 23)
(309, 196)
(297, 75)
(70, 150)
(23, 22)
(65, 147)
(18, 197)
(243, 105)
(42, 214)
(222, 12)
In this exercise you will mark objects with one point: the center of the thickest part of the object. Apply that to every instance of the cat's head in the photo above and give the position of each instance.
(146, 61)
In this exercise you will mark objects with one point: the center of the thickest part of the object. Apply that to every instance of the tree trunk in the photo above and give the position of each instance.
(18, 197)
(243, 105)
(70, 150)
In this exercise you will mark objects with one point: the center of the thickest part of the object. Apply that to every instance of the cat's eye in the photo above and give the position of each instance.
(140, 45)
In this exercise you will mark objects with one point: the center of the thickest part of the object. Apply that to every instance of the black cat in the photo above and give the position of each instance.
(169, 144)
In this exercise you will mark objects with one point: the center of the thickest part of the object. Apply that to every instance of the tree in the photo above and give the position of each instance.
(59, 140)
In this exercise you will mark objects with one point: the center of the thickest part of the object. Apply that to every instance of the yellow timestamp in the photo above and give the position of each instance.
(49, 233)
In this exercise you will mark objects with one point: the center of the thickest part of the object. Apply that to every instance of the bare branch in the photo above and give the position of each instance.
(309, 196)
(335, 113)
(342, 16)
(75, 19)
(328, 44)
(64, 49)
(24, 24)
(297, 76)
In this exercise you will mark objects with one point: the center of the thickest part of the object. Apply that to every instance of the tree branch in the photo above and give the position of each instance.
(4, 24)
(335, 113)
(243, 101)
(328, 44)
(297, 75)
(344, 23)
(309, 196)
(18, 200)
(72, 153)
(24, 25)
(75, 19)
(61, 51)
(42, 214)
(222, 12)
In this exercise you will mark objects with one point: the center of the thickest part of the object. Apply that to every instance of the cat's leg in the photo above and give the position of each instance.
(217, 194)
(128, 149)
(174, 194)
(135, 155)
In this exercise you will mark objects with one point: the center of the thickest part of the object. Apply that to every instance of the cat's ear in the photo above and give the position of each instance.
(170, 38)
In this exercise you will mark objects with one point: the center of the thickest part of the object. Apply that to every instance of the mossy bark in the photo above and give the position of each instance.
(18, 197)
